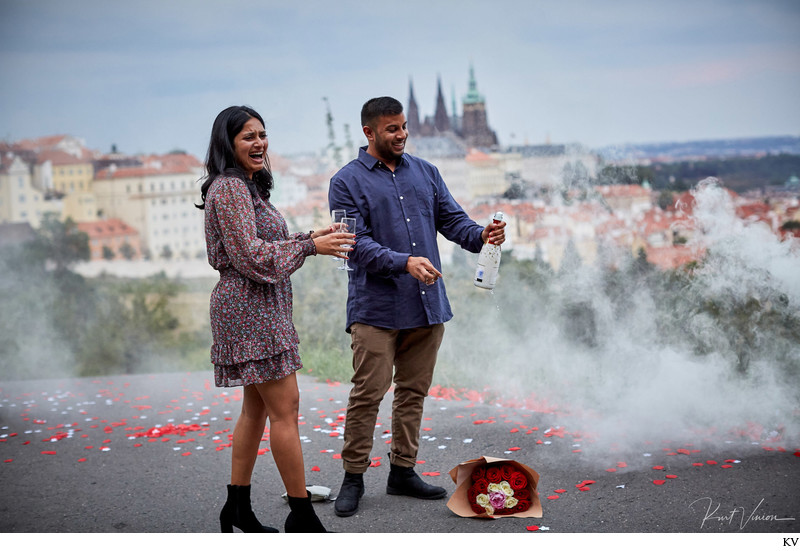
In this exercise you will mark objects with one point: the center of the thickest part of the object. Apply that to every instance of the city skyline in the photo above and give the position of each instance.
(149, 77)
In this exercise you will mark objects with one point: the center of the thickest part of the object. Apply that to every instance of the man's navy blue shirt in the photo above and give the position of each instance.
(398, 214)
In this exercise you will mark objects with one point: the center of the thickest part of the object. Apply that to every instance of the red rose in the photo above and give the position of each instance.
(481, 486)
(472, 493)
(477, 508)
(493, 474)
(522, 494)
(477, 473)
(506, 471)
(518, 480)
(521, 506)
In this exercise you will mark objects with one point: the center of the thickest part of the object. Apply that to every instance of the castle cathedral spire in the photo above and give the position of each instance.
(440, 119)
(413, 111)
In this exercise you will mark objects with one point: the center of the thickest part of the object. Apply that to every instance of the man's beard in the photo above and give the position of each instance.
(386, 151)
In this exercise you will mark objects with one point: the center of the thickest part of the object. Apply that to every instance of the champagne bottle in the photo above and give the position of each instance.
(488, 261)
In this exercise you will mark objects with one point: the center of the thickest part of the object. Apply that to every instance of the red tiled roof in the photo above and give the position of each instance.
(672, 257)
(59, 158)
(106, 228)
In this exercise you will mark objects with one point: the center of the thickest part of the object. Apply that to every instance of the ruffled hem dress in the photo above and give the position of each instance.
(248, 242)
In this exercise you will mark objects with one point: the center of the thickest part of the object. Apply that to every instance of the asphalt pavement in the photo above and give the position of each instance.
(150, 454)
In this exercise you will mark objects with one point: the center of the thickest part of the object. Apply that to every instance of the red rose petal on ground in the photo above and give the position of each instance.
(711, 462)
(796, 454)
(81, 460)
(432, 473)
(611, 470)
(658, 467)
(532, 528)
(514, 449)
(672, 476)
(730, 461)
(315, 469)
(553, 497)
(560, 491)
(8, 461)
(186, 453)
(584, 488)
(622, 464)
(337, 456)
(659, 482)
(48, 453)
(684, 451)
(420, 461)
(726, 466)
(697, 464)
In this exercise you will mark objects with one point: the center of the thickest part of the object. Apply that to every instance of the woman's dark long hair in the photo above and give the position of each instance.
(221, 159)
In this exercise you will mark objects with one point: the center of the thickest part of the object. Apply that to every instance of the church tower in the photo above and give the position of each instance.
(413, 112)
(440, 119)
(474, 124)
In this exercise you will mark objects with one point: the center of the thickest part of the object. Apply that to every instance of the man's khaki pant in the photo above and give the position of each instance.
(412, 353)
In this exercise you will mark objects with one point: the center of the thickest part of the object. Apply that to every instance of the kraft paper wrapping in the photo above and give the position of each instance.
(462, 476)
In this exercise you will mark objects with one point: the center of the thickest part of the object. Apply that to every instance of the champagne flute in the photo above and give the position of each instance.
(348, 225)
(336, 219)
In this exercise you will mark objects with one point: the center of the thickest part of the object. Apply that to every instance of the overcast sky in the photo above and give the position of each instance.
(150, 76)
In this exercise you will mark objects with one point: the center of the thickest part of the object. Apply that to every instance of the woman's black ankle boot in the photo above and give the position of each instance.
(238, 512)
(302, 517)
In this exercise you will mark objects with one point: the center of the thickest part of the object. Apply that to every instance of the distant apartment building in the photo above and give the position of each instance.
(158, 200)
(112, 239)
(69, 177)
(20, 201)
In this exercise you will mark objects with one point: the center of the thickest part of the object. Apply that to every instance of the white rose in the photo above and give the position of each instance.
(505, 487)
(493, 487)
(511, 502)
(483, 500)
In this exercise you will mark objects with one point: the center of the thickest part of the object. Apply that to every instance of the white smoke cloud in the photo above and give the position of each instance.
(634, 377)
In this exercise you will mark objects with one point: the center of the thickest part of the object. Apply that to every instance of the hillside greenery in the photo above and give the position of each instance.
(57, 323)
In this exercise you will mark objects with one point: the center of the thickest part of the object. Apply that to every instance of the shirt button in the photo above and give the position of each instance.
(408, 219)
(401, 197)
(423, 292)
(413, 244)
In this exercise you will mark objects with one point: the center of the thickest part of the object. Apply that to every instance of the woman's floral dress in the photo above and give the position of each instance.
(248, 242)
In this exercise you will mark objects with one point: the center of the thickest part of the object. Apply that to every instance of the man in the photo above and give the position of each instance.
(396, 303)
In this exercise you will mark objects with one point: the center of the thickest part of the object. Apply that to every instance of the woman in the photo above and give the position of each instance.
(255, 342)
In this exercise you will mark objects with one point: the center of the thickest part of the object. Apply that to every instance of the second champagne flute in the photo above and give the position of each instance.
(348, 225)
(336, 219)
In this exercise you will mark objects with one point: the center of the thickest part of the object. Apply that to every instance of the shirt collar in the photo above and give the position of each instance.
(371, 162)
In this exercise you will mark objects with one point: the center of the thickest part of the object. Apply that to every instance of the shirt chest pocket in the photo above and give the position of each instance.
(427, 200)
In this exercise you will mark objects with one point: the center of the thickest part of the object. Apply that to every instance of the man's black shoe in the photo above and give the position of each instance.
(403, 481)
(352, 489)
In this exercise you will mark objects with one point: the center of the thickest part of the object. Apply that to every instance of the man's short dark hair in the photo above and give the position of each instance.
(378, 107)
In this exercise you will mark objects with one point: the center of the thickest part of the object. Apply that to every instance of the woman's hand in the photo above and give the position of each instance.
(329, 241)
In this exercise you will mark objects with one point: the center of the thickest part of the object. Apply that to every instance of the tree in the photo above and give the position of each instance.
(108, 253)
(127, 251)
(61, 244)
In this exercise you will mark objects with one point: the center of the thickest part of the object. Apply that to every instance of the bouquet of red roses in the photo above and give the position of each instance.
(490, 487)
(499, 490)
